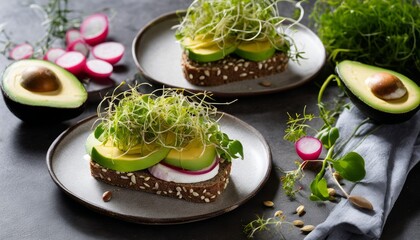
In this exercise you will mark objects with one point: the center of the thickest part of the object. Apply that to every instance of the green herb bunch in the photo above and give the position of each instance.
(165, 117)
(376, 32)
(228, 21)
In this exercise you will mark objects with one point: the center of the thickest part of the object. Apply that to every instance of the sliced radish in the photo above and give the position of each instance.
(79, 45)
(73, 62)
(94, 29)
(111, 52)
(308, 148)
(97, 68)
(53, 53)
(169, 174)
(21, 51)
(72, 35)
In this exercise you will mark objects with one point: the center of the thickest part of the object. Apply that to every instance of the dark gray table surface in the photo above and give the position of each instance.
(33, 207)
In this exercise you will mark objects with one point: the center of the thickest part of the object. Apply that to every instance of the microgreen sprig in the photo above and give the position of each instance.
(166, 117)
(227, 21)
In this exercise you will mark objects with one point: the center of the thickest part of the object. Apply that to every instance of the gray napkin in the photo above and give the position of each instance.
(390, 152)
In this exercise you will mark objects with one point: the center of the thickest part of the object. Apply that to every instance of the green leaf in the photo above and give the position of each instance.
(351, 166)
(319, 189)
(235, 148)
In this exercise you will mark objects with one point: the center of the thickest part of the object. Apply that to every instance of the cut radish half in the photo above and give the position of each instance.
(72, 35)
(21, 51)
(79, 45)
(73, 62)
(98, 69)
(169, 174)
(308, 148)
(111, 52)
(94, 29)
(53, 53)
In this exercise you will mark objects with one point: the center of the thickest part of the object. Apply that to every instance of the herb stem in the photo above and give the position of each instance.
(337, 183)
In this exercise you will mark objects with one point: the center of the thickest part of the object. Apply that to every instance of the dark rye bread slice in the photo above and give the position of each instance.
(231, 69)
(202, 192)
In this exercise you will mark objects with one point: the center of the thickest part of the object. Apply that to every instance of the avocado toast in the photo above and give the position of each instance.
(163, 142)
(226, 41)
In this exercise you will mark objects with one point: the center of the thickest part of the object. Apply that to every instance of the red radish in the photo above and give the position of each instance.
(162, 171)
(98, 69)
(53, 53)
(79, 46)
(72, 61)
(308, 148)
(94, 29)
(21, 51)
(111, 52)
(72, 35)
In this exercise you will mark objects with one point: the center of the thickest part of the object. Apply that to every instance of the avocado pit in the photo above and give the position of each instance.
(386, 86)
(39, 79)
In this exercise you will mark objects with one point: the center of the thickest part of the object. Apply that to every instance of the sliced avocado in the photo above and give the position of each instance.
(111, 157)
(205, 50)
(193, 157)
(255, 50)
(39, 91)
(356, 76)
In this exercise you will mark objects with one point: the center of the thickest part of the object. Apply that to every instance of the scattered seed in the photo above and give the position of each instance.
(307, 228)
(278, 213)
(298, 223)
(106, 196)
(360, 202)
(268, 203)
(265, 83)
(300, 210)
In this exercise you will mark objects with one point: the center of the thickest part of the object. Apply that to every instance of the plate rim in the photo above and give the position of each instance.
(172, 15)
(156, 221)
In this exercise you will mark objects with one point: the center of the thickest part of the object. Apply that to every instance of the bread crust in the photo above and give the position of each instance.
(231, 69)
(201, 192)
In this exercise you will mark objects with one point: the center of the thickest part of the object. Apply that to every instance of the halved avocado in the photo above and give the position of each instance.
(354, 75)
(255, 50)
(193, 157)
(38, 91)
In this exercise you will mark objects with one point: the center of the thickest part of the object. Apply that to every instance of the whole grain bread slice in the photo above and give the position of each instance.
(202, 192)
(230, 69)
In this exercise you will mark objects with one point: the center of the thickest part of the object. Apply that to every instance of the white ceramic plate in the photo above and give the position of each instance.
(157, 55)
(70, 171)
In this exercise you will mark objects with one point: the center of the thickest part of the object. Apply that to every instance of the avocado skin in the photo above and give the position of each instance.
(377, 116)
(41, 114)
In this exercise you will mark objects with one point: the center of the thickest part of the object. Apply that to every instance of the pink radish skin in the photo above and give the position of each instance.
(53, 53)
(72, 61)
(98, 69)
(94, 29)
(111, 52)
(79, 45)
(72, 35)
(308, 148)
(21, 51)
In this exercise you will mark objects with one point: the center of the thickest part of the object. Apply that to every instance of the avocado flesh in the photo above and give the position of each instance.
(353, 75)
(255, 50)
(205, 50)
(193, 157)
(111, 157)
(71, 94)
